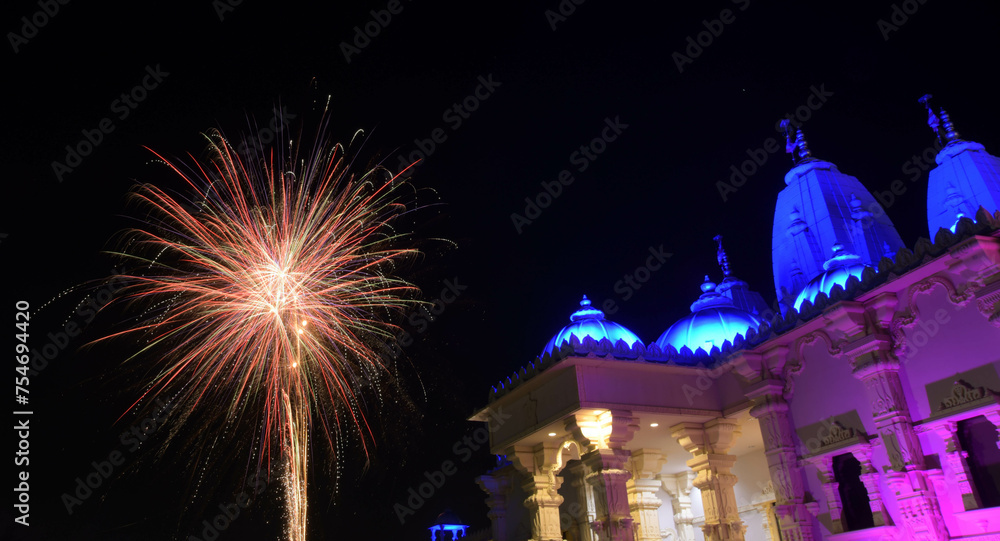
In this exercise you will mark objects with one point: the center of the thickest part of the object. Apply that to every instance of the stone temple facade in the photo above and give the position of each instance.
(865, 404)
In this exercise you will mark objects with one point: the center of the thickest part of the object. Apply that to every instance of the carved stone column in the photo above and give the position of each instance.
(679, 486)
(831, 490)
(642, 501)
(874, 364)
(869, 476)
(780, 443)
(709, 444)
(608, 479)
(497, 487)
(585, 495)
(963, 394)
(764, 502)
(543, 505)
(542, 464)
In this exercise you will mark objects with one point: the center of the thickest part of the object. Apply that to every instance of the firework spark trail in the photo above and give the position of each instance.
(277, 285)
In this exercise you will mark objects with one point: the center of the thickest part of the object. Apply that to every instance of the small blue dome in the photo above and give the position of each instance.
(713, 320)
(589, 321)
(448, 522)
(836, 271)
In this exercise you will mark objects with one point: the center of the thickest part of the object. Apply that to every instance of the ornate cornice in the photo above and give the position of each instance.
(988, 302)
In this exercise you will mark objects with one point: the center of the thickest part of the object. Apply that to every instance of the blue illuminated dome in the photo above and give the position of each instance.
(589, 321)
(836, 271)
(447, 526)
(714, 319)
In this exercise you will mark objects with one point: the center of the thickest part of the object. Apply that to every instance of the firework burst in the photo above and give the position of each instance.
(265, 293)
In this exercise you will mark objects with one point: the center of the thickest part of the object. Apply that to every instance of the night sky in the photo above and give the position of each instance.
(646, 122)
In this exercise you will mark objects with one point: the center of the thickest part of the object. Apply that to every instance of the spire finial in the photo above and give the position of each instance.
(795, 143)
(802, 152)
(786, 128)
(932, 119)
(949, 129)
(720, 256)
(941, 124)
(708, 285)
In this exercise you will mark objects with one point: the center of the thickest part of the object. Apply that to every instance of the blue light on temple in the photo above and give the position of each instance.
(966, 176)
(837, 270)
(819, 206)
(589, 321)
(713, 320)
(958, 217)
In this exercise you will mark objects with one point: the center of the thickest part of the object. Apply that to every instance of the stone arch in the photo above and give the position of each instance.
(796, 357)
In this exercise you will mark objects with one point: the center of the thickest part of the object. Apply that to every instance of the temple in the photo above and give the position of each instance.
(863, 404)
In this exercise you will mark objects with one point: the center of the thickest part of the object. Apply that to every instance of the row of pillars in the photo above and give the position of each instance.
(624, 501)
(620, 486)
(876, 365)
(617, 487)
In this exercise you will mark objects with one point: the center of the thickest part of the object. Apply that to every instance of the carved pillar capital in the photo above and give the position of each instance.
(709, 443)
(768, 396)
(714, 437)
(607, 429)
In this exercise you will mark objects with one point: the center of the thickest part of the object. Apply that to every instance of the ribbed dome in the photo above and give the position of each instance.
(589, 321)
(713, 320)
(836, 271)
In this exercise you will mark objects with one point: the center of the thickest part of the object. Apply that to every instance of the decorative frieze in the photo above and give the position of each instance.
(964, 394)
(838, 433)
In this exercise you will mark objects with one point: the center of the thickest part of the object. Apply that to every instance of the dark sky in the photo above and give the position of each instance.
(550, 91)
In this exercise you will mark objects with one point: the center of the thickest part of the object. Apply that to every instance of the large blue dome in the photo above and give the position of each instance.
(836, 271)
(713, 320)
(589, 321)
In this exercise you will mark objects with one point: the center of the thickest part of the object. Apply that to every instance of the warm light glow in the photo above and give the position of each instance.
(654, 425)
(552, 433)
(597, 428)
